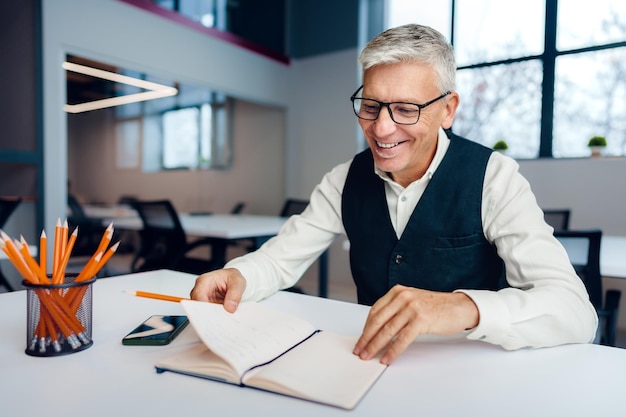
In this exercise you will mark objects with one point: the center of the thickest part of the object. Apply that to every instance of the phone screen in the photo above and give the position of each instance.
(156, 330)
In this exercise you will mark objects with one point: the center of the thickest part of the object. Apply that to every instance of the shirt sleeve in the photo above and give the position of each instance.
(547, 303)
(283, 259)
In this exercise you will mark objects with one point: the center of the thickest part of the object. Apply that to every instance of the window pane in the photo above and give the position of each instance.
(580, 26)
(502, 102)
(491, 30)
(201, 11)
(590, 100)
(400, 12)
(127, 134)
(180, 138)
(206, 127)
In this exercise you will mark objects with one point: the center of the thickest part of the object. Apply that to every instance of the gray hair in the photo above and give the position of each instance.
(413, 43)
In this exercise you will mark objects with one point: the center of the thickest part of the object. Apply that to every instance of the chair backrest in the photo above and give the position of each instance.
(162, 236)
(238, 208)
(293, 206)
(583, 248)
(557, 218)
(7, 207)
(78, 215)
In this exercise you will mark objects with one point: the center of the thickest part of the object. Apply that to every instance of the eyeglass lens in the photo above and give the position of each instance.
(404, 113)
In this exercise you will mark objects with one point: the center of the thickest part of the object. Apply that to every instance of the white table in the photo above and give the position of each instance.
(107, 213)
(225, 226)
(434, 377)
(612, 254)
(231, 227)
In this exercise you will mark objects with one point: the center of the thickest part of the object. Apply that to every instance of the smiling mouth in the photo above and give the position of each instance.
(387, 145)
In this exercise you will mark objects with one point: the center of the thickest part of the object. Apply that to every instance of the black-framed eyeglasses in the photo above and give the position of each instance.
(402, 113)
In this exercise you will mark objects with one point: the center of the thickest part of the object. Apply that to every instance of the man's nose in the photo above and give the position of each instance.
(384, 124)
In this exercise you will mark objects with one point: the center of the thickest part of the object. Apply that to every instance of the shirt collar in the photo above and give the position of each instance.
(443, 142)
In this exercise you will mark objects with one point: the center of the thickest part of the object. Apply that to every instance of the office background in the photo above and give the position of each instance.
(293, 121)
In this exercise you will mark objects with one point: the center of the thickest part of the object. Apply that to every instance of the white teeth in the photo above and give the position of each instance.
(387, 145)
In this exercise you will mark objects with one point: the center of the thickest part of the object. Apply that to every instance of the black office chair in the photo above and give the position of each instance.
(557, 218)
(90, 230)
(293, 206)
(163, 242)
(606, 304)
(7, 207)
(238, 208)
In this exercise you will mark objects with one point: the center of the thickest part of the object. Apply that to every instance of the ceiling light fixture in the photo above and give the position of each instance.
(154, 90)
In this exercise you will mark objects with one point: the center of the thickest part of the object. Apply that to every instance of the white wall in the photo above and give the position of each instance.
(593, 188)
(258, 147)
(322, 126)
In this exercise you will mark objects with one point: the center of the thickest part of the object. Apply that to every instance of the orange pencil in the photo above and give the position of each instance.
(102, 246)
(58, 271)
(62, 306)
(59, 275)
(51, 330)
(105, 257)
(16, 259)
(157, 296)
(86, 272)
(32, 265)
(56, 255)
(55, 312)
(43, 251)
(105, 239)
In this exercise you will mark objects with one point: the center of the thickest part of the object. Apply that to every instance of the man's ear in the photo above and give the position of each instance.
(452, 103)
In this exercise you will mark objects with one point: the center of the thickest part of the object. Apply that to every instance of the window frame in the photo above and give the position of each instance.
(547, 59)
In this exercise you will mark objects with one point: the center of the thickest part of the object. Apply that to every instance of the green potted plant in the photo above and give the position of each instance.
(500, 146)
(597, 145)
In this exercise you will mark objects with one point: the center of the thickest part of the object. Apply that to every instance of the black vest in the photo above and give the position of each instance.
(442, 248)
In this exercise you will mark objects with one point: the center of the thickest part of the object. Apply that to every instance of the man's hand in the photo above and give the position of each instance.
(225, 286)
(402, 314)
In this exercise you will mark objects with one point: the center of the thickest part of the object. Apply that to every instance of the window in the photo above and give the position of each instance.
(181, 137)
(545, 79)
(187, 131)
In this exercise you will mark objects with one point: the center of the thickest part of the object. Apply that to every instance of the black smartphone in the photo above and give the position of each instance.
(157, 330)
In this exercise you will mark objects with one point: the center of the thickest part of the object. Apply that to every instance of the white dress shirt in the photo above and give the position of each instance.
(547, 303)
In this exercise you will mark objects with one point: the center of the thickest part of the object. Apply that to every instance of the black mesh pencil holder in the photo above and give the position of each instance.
(59, 317)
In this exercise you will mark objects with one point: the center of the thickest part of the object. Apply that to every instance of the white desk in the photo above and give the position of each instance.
(434, 377)
(223, 226)
(612, 254)
(231, 227)
(107, 213)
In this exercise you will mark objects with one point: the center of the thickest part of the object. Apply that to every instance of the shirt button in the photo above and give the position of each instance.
(398, 259)
(403, 198)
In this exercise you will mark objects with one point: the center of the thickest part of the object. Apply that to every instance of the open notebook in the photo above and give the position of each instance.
(263, 348)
